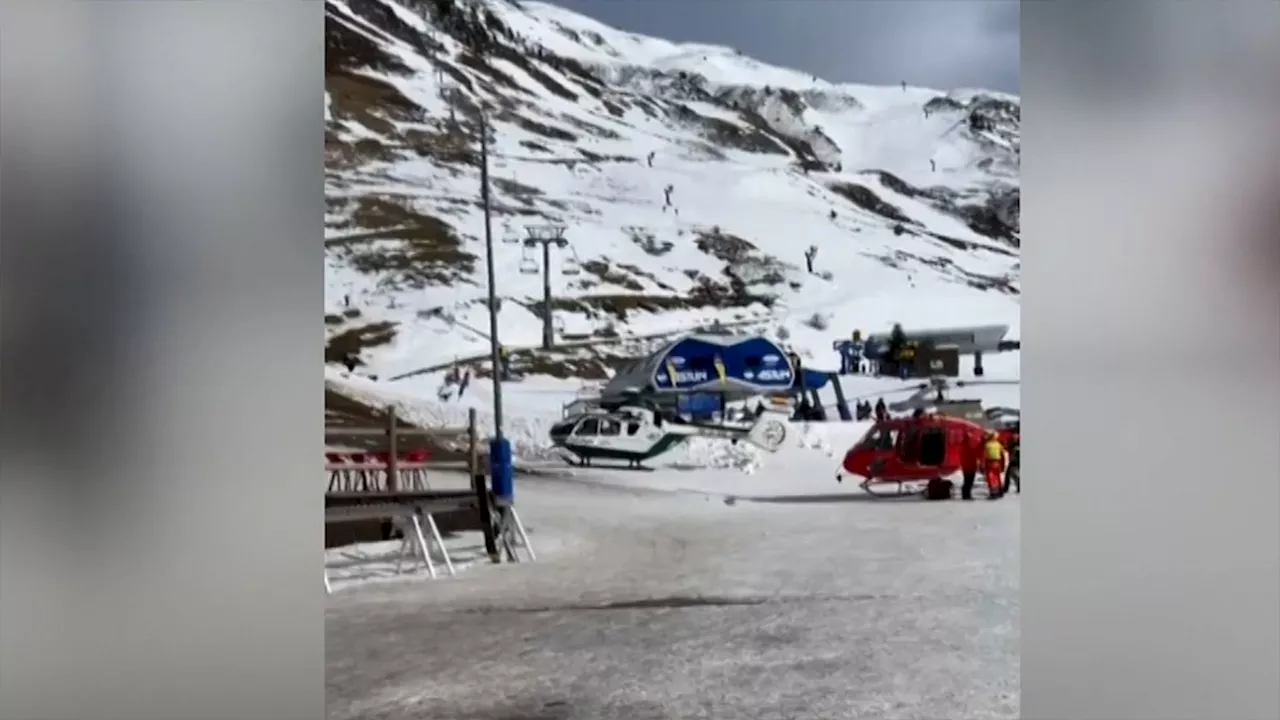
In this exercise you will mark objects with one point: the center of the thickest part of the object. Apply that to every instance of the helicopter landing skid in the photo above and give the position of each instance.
(586, 463)
(901, 489)
(633, 468)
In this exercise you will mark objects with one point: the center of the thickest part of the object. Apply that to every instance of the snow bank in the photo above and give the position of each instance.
(528, 435)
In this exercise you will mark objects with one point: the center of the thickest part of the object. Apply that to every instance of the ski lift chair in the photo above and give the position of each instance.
(571, 265)
(528, 263)
(510, 236)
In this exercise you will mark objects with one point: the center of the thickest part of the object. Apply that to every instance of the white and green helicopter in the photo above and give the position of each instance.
(636, 434)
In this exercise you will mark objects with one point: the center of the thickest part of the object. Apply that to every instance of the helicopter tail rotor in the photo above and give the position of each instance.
(769, 432)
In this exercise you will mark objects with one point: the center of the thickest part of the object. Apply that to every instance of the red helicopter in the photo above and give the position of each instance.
(897, 456)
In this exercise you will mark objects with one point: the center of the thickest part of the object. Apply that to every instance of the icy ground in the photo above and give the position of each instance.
(656, 596)
(678, 606)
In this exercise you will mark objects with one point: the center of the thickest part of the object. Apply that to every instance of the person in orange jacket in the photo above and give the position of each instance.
(970, 453)
(993, 462)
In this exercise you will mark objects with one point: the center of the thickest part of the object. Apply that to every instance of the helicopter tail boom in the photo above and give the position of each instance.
(767, 432)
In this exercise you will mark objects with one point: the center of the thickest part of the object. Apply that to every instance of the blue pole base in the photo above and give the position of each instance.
(502, 480)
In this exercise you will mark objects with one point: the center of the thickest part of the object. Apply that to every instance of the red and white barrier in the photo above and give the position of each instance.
(367, 472)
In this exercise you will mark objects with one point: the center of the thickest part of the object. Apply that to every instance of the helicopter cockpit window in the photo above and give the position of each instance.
(633, 426)
(880, 438)
(610, 426)
(888, 438)
(589, 426)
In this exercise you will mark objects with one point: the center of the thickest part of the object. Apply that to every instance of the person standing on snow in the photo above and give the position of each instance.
(1013, 474)
(897, 338)
(899, 351)
(504, 358)
(970, 453)
(797, 368)
(856, 349)
(993, 459)
(906, 357)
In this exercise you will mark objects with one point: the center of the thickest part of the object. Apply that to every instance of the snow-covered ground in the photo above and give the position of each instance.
(651, 604)
(668, 606)
(725, 583)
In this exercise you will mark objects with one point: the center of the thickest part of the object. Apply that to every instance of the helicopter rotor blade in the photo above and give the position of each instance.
(919, 400)
(974, 383)
(895, 391)
(933, 384)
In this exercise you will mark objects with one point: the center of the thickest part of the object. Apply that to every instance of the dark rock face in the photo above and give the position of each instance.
(998, 218)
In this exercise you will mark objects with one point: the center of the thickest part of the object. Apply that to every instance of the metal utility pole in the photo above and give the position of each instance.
(495, 347)
(546, 236)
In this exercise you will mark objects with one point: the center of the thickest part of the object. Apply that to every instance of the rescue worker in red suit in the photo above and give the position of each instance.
(970, 454)
(993, 461)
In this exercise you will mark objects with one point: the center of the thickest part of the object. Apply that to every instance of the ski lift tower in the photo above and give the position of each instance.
(545, 236)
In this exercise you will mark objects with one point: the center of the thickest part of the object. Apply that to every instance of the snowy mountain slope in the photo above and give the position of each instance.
(909, 194)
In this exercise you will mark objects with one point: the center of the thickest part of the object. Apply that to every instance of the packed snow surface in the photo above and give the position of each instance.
(647, 604)
(726, 583)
